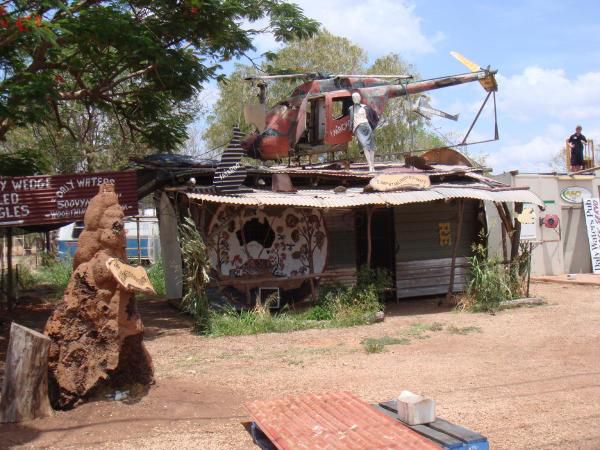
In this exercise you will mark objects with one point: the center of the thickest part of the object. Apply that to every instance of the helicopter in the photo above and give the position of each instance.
(315, 118)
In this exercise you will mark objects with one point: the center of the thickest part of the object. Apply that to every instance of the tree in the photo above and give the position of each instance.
(327, 54)
(136, 63)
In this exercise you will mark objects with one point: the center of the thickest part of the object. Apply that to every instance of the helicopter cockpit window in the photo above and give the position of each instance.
(340, 107)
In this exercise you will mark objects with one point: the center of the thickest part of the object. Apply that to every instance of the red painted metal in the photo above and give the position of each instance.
(332, 421)
(44, 200)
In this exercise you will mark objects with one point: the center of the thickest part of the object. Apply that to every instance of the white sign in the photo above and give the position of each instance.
(529, 225)
(591, 208)
(575, 194)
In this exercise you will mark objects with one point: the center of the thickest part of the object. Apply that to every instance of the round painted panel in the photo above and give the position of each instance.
(252, 242)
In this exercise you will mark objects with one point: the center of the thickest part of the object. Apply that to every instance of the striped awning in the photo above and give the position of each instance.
(354, 197)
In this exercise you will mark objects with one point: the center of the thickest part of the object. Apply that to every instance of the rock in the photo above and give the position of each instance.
(415, 409)
(379, 316)
(96, 332)
(121, 395)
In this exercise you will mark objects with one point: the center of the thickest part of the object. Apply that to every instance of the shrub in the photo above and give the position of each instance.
(488, 282)
(156, 274)
(197, 265)
(338, 306)
(56, 274)
(26, 277)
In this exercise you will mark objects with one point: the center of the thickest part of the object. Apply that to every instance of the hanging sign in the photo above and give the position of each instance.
(386, 182)
(591, 208)
(131, 278)
(528, 221)
(44, 200)
(575, 194)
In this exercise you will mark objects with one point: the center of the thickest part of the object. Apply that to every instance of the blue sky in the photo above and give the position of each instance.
(547, 54)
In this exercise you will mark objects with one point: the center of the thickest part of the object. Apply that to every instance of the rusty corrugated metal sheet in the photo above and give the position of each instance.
(43, 200)
(354, 197)
(332, 421)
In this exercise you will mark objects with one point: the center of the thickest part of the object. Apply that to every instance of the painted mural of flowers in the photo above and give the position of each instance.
(299, 246)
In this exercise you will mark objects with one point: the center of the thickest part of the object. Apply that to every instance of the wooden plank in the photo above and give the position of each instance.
(449, 442)
(25, 386)
(456, 431)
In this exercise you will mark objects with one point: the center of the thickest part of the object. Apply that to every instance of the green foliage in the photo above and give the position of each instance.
(156, 273)
(235, 323)
(338, 306)
(377, 345)
(27, 278)
(489, 282)
(134, 63)
(23, 162)
(197, 265)
(453, 329)
(57, 274)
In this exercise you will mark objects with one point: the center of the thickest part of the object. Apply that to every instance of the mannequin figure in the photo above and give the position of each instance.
(361, 127)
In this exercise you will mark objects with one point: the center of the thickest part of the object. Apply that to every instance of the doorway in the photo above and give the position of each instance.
(383, 250)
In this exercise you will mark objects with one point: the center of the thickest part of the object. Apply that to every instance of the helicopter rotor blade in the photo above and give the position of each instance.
(473, 67)
(438, 112)
(488, 81)
(290, 76)
(394, 77)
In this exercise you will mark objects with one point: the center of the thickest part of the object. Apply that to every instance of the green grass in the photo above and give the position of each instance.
(57, 273)
(156, 274)
(377, 345)
(337, 306)
(453, 329)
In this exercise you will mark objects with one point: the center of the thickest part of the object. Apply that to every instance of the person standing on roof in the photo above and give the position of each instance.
(576, 142)
(363, 121)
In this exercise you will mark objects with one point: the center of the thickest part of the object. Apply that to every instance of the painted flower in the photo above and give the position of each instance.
(320, 238)
(295, 235)
(291, 220)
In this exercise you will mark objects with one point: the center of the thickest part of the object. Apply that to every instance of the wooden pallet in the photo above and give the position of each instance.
(442, 432)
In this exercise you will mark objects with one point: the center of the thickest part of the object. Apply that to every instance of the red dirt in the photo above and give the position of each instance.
(525, 378)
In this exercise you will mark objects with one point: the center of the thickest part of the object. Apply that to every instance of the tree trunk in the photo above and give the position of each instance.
(25, 386)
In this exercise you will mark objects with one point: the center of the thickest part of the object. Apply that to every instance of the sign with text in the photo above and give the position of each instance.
(44, 200)
(591, 208)
(529, 223)
(131, 278)
(386, 182)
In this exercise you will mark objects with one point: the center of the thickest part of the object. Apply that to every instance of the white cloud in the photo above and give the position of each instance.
(379, 26)
(537, 93)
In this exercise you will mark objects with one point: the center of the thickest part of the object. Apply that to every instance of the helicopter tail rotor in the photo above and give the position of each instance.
(488, 81)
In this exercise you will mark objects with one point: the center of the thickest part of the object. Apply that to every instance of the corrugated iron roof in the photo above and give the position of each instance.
(332, 421)
(353, 197)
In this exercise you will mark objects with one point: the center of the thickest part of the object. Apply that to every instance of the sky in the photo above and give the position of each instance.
(547, 53)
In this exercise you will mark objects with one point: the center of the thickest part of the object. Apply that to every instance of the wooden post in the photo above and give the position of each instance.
(47, 242)
(369, 234)
(9, 269)
(461, 207)
(516, 236)
(25, 386)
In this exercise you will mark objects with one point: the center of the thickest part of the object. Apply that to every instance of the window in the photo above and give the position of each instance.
(340, 107)
(77, 229)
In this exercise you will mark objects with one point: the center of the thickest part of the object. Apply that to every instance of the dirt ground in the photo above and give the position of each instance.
(525, 378)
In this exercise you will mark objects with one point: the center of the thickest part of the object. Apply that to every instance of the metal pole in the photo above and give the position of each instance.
(9, 269)
(529, 268)
(139, 250)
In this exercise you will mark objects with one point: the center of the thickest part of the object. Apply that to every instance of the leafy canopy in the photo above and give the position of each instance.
(139, 60)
